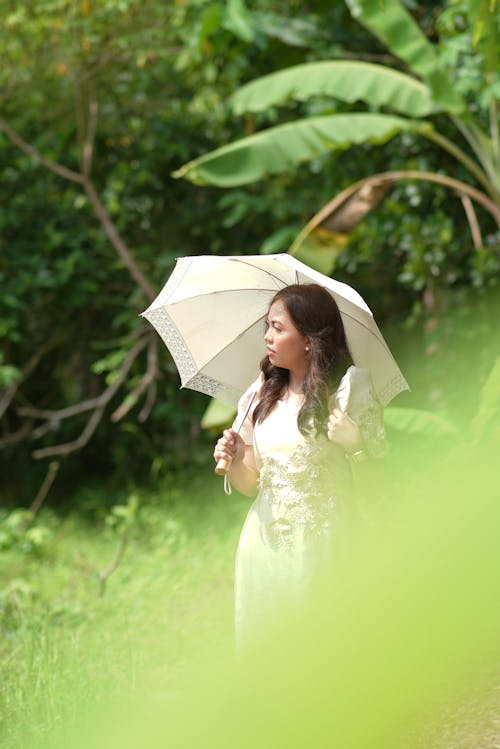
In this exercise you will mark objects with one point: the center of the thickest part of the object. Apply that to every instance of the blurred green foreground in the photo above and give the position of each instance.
(394, 643)
(407, 620)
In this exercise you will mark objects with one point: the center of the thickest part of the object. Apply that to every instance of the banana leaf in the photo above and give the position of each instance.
(347, 80)
(279, 149)
(395, 27)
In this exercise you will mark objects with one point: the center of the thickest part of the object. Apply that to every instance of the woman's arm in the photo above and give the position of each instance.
(245, 474)
(243, 470)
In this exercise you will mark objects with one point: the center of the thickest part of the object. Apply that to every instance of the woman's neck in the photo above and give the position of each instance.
(296, 382)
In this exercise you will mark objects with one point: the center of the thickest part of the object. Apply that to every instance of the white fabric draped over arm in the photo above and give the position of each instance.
(356, 396)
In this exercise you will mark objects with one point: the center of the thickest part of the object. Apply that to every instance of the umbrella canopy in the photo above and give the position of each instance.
(211, 315)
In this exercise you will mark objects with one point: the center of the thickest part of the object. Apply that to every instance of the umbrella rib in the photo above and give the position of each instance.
(379, 338)
(213, 293)
(180, 278)
(261, 270)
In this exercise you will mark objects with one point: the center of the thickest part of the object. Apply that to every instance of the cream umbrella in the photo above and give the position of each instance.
(211, 315)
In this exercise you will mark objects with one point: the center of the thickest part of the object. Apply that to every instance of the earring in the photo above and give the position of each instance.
(307, 348)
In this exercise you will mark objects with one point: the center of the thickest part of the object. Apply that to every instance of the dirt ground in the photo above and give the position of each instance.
(472, 722)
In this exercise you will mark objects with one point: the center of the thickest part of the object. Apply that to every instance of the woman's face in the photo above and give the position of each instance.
(285, 345)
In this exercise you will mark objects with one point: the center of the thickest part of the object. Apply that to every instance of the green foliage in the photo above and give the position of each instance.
(413, 421)
(20, 532)
(162, 75)
(275, 150)
(64, 650)
(69, 657)
(487, 418)
(396, 28)
(135, 667)
(8, 373)
(345, 80)
(255, 156)
(68, 300)
(122, 517)
(217, 414)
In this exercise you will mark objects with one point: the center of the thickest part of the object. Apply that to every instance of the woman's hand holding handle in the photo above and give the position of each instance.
(230, 448)
(343, 431)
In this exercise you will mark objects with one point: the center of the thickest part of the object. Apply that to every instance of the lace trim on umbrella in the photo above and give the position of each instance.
(392, 388)
(190, 377)
(205, 384)
(181, 355)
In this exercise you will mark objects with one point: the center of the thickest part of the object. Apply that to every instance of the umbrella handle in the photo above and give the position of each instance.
(222, 467)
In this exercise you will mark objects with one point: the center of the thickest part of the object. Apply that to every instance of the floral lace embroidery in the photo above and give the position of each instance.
(298, 496)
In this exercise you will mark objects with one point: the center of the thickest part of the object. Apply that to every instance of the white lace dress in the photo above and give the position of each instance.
(304, 485)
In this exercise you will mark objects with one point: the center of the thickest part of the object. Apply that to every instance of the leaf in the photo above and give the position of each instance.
(239, 21)
(296, 32)
(280, 148)
(278, 241)
(346, 80)
(484, 22)
(210, 22)
(321, 259)
(394, 26)
(110, 362)
(217, 415)
(488, 411)
(9, 374)
(419, 422)
(38, 536)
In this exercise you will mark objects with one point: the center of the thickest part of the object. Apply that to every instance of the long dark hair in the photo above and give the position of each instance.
(315, 314)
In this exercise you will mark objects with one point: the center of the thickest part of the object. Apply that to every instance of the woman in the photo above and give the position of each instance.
(294, 452)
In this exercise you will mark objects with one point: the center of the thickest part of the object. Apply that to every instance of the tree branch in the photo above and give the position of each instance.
(115, 239)
(28, 368)
(62, 171)
(52, 472)
(88, 145)
(100, 404)
(42, 430)
(105, 573)
(149, 402)
(68, 447)
(12, 438)
(62, 413)
(79, 113)
(91, 72)
(148, 378)
(84, 179)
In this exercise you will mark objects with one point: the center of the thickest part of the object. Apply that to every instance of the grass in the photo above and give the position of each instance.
(66, 650)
